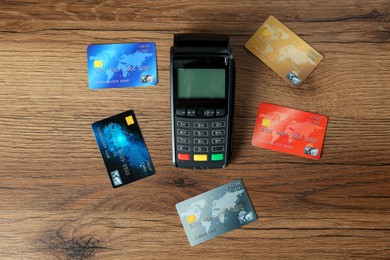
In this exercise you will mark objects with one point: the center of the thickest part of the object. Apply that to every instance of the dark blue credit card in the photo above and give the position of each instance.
(123, 148)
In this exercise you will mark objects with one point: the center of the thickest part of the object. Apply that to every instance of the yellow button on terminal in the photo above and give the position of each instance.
(200, 157)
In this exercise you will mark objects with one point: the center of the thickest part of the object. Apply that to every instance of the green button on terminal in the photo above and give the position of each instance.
(217, 157)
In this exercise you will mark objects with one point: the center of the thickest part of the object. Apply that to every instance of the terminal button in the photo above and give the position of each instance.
(218, 140)
(183, 124)
(219, 124)
(218, 132)
(209, 112)
(201, 125)
(191, 112)
(220, 112)
(181, 112)
(183, 148)
(219, 148)
(200, 149)
(217, 157)
(182, 140)
(183, 132)
(201, 141)
(201, 133)
(200, 157)
(183, 156)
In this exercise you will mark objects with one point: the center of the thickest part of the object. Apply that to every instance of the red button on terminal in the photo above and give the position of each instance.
(183, 156)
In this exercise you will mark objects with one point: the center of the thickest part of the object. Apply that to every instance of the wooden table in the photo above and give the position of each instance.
(56, 198)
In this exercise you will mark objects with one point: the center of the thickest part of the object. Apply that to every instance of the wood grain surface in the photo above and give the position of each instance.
(56, 201)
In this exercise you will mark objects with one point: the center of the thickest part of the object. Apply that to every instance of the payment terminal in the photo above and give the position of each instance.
(202, 99)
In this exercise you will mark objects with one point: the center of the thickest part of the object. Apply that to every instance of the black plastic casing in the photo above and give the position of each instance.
(202, 51)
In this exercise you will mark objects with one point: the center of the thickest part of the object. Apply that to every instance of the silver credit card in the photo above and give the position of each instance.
(216, 212)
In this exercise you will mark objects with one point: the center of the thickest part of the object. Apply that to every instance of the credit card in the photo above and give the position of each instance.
(123, 149)
(216, 212)
(290, 131)
(122, 65)
(283, 51)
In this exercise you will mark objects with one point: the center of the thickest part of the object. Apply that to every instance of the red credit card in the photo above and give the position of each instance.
(290, 131)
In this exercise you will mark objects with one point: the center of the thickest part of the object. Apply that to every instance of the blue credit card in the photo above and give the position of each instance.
(216, 212)
(122, 65)
(123, 149)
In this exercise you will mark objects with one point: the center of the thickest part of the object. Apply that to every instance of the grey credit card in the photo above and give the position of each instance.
(216, 212)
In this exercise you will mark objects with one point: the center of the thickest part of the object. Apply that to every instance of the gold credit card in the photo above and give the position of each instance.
(283, 51)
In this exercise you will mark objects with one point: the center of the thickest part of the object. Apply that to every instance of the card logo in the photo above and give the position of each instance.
(116, 178)
(245, 217)
(147, 78)
(311, 151)
(294, 79)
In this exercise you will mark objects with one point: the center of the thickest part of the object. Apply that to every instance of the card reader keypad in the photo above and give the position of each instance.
(201, 139)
